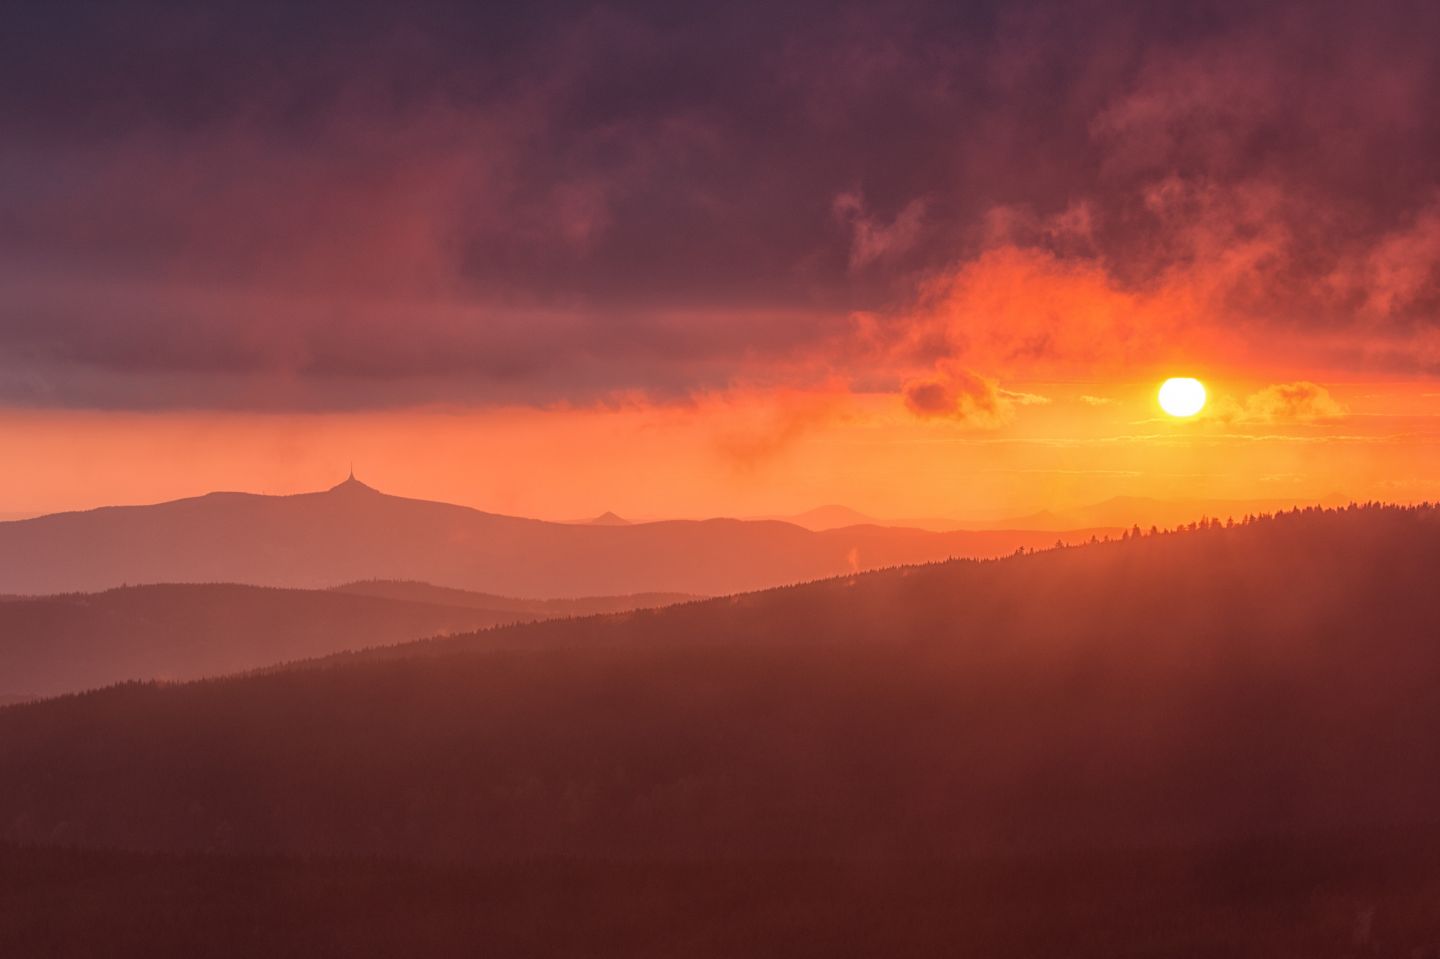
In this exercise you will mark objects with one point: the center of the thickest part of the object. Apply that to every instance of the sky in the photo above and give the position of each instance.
(558, 258)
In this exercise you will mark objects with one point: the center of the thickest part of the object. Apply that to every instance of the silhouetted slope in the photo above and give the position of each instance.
(445, 596)
(1249, 902)
(353, 532)
(56, 644)
(1206, 686)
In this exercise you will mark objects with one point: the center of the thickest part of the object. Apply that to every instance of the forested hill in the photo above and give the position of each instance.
(1215, 684)
(72, 642)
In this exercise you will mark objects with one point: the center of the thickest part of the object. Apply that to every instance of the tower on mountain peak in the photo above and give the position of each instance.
(351, 483)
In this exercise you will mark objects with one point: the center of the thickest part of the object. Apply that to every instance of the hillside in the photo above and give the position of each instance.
(1209, 686)
(539, 608)
(1327, 898)
(353, 532)
(57, 644)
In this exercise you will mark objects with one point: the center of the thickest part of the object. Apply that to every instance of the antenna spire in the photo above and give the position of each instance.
(352, 471)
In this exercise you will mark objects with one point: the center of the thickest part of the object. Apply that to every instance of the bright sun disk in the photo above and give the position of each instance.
(1182, 396)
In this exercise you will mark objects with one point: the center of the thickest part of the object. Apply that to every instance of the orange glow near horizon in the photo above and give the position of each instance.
(1048, 447)
(782, 281)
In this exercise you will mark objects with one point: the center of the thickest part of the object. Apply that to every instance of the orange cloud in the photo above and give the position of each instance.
(760, 427)
(959, 394)
(1299, 402)
(1015, 309)
(1401, 270)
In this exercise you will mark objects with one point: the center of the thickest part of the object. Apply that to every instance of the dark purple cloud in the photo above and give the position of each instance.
(348, 205)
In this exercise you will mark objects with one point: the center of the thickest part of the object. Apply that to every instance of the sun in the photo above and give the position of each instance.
(1182, 396)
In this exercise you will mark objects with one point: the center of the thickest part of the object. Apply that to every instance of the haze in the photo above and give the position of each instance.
(623, 478)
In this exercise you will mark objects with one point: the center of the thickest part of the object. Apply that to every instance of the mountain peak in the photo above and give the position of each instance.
(609, 519)
(352, 485)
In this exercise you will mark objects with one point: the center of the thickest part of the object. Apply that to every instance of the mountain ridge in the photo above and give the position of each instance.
(353, 532)
(179, 631)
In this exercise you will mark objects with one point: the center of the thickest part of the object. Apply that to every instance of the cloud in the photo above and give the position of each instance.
(872, 240)
(1023, 308)
(1299, 402)
(1400, 272)
(954, 393)
(755, 435)
(351, 205)
(1024, 399)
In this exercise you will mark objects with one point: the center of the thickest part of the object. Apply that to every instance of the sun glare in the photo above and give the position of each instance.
(1182, 396)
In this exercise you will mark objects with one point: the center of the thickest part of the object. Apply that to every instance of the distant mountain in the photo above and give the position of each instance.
(1221, 686)
(58, 644)
(609, 519)
(353, 532)
(833, 517)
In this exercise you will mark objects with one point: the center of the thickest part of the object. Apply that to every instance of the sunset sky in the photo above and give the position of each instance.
(670, 260)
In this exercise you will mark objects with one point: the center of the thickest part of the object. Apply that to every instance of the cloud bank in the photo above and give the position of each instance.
(259, 206)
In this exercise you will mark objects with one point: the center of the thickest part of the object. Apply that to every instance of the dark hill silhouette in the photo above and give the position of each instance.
(1328, 898)
(57, 644)
(1215, 685)
(353, 532)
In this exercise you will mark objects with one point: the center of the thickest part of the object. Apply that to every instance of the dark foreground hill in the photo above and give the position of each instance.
(1212, 686)
(57, 644)
(353, 532)
(1325, 898)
